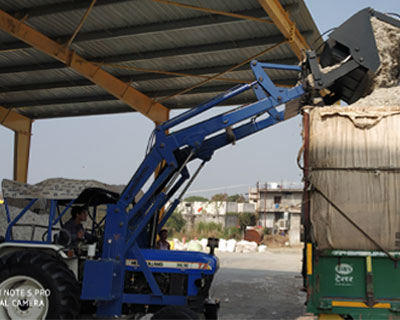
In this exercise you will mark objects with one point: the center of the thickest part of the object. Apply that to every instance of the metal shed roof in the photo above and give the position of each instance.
(156, 48)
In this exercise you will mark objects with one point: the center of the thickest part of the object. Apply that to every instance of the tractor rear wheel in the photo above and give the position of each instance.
(36, 285)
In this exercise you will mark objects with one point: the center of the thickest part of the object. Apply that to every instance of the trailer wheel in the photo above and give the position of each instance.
(175, 312)
(35, 285)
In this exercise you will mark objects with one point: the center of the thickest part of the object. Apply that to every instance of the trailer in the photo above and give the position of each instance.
(351, 259)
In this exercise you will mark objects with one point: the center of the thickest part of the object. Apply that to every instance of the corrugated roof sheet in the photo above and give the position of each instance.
(139, 34)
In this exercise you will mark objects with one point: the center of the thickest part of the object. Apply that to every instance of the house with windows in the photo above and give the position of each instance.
(279, 208)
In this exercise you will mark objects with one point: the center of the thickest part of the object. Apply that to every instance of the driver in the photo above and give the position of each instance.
(74, 225)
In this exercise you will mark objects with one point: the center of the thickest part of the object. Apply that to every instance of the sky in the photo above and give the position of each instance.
(110, 148)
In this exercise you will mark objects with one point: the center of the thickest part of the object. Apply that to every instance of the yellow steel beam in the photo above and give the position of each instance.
(208, 10)
(14, 121)
(282, 20)
(121, 90)
(81, 23)
(22, 127)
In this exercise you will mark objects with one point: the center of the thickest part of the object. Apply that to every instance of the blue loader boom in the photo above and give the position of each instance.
(127, 234)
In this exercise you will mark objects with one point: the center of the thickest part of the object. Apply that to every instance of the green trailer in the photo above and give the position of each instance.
(351, 264)
(353, 284)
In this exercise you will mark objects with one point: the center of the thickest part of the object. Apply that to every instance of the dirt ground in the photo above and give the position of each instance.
(260, 285)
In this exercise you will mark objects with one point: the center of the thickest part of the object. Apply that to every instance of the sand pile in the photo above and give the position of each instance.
(385, 84)
(380, 97)
(387, 39)
(383, 88)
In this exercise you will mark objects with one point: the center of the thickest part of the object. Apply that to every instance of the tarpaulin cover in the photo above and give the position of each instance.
(354, 156)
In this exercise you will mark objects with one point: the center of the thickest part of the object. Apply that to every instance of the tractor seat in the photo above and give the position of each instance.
(63, 238)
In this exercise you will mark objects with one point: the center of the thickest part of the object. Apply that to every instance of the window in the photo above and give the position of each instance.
(277, 199)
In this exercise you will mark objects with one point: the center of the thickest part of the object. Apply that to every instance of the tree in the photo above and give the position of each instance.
(237, 198)
(220, 197)
(247, 219)
(176, 222)
(196, 198)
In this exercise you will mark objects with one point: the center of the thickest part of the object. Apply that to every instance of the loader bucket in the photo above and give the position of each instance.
(354, 39)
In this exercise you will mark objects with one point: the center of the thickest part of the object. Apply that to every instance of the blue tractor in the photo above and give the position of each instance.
(120, 271)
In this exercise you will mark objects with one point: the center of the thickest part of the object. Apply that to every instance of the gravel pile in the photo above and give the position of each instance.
(380, 97)
(385, 90)
(387, 39)
(23, 233)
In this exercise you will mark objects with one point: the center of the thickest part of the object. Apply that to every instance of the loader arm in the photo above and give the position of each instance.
(197, 141)
(131, 227)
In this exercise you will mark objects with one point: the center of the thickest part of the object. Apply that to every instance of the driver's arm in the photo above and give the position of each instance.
(80, 234)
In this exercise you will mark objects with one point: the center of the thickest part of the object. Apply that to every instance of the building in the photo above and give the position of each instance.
(279, 208)
(222, 212)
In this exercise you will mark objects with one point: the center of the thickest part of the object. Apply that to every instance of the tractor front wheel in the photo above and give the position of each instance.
(36, 285)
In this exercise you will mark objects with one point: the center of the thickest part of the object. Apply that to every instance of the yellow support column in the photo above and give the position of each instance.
(285, 25)
(22, 144)
(22, 127)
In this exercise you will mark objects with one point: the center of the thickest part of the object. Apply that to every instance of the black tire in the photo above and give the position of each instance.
(211, 312)
(175, 312)
(51, 274)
